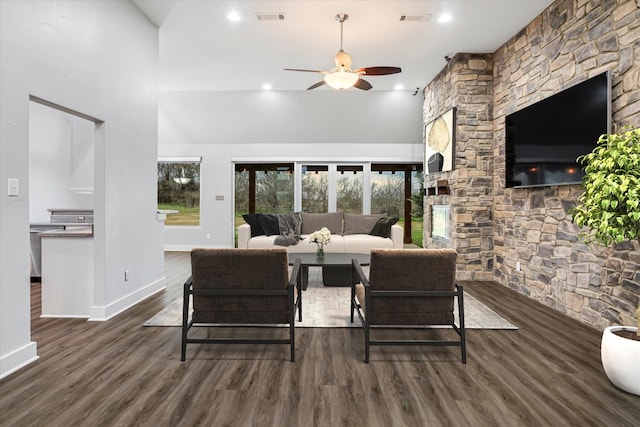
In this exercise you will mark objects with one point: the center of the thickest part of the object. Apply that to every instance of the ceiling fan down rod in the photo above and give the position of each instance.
(341, 17)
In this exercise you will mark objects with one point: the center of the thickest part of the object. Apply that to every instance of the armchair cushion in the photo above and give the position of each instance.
(218, 269)
(398, 270)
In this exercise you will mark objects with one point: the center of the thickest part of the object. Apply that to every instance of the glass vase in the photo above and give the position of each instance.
(320, 252)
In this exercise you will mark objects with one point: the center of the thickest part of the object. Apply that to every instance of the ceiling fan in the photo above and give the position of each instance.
(342, 76)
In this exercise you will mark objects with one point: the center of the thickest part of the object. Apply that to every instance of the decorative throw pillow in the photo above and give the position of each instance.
(360, 224)
(383, 227)
(314, 222)
(269, 223)
(256, 228)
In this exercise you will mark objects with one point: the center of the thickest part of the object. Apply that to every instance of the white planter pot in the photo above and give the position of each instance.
(621, 359)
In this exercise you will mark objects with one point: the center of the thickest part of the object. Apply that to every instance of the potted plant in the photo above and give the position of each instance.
(609, 208)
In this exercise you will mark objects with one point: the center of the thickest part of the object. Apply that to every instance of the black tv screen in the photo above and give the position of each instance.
(544, 140)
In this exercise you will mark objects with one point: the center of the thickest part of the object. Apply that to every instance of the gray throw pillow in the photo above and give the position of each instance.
(360, 224)
(314, 222)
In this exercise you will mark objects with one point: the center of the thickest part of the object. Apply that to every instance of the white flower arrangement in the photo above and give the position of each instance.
(320, 237)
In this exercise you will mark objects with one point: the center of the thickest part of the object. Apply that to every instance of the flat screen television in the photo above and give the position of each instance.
(544, 139)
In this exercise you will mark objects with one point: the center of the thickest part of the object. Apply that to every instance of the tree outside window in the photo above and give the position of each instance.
(179, 190)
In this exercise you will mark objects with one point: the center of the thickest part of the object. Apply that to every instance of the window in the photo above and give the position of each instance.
(315, 188)
(263, 188)
(387, 193)
(179, 189)
(394, 189)
(349, 189)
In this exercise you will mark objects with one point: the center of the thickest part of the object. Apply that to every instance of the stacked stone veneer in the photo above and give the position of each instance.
(467, 84)
(570, 41)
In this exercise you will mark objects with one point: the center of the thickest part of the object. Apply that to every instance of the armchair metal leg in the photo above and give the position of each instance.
(185, 321)
(366, 342)
(463, 341)
(292, 337)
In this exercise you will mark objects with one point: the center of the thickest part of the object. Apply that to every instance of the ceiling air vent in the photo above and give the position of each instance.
(415, 18)
(270, 16)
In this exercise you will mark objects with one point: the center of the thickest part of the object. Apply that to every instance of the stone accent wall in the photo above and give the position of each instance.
(569, 42)
(466, 83)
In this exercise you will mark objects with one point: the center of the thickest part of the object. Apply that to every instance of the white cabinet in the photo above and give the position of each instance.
(67, 276)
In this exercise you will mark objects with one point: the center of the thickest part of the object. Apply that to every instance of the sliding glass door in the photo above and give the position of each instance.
(393, 189)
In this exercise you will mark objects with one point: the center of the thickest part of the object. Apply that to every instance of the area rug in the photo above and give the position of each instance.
(329, 307)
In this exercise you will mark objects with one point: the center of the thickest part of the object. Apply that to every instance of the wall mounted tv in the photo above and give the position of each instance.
(544, 139)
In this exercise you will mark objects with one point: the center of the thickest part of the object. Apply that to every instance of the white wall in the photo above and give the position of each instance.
(99, 58)
(278, 126)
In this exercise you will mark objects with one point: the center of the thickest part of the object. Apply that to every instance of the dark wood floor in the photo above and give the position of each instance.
(117, 373)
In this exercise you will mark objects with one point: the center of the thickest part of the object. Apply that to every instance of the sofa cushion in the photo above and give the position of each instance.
(360, 224)
(314, 222)
(270, 224)
(256, 228)
(383, 227)
(262, 242)
(363, 243)
(337, 245)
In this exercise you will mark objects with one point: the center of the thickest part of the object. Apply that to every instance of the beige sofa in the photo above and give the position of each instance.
(349, 234)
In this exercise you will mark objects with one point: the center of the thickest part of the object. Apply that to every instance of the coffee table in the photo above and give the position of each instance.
(336, 267)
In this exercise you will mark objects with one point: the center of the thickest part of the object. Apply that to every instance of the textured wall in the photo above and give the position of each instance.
(569, 42)
(467, 84)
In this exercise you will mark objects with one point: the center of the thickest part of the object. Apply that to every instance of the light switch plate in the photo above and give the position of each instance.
(13, 187)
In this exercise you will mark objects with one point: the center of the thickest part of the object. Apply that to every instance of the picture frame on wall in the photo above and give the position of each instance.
(439, 143)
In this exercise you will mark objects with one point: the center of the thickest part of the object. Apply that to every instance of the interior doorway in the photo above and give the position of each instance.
(62, 172)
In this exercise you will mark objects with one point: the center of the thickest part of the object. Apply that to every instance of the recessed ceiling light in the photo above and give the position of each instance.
(234, 16)
(266, 86)
(445, 17)
(398, 87)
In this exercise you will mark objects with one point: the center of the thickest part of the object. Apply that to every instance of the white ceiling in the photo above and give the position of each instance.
(201, 50)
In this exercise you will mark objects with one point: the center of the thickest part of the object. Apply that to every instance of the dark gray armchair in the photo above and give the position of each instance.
(241, 287)
(409, 287)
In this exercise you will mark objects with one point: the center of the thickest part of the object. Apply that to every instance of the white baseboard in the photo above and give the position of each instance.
(189, 248)
(62, 316)
(18, 359)
(99, 314)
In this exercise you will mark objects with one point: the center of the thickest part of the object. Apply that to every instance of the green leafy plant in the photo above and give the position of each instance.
(609, 207)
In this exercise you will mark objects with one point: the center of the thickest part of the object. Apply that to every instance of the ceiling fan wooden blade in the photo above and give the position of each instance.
(305, 71)
(362, 84)
(320, 83)
(378, 71)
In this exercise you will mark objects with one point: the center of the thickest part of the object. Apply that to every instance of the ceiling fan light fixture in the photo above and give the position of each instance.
(341, 78)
